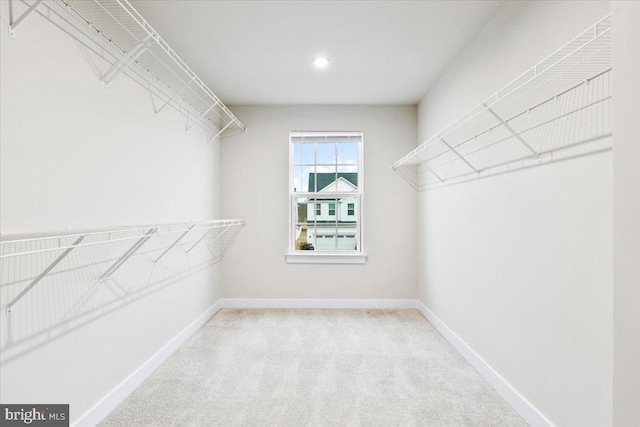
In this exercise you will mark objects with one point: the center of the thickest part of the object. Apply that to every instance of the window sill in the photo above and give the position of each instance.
(327, 258)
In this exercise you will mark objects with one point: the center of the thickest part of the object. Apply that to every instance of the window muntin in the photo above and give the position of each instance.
(326, 191)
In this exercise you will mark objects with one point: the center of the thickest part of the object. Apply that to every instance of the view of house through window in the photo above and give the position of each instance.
(326, 191)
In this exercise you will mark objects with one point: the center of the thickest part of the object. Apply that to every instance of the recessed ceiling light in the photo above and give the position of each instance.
(321, 62)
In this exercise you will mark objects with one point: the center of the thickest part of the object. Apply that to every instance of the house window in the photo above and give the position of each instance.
(326, 169)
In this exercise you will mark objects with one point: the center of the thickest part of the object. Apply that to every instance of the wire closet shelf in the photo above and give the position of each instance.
(119, 243)
(558, 109)
(116, 32)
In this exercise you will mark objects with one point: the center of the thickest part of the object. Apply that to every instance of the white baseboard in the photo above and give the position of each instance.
(527, 411)
(319, 303)
(108, 403)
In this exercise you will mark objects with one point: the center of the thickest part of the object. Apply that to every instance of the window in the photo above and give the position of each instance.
(326, 196)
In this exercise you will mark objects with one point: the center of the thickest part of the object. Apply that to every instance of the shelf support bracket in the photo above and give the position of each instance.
(228, 245)
(511, 131)
(432, 171)
(43, 274)
(205, 235)
(458, 154)
(124, 63)
(202, 115)
(132, 250)
(174, 243)
(14, 24)
(175, 95)
(220, 132)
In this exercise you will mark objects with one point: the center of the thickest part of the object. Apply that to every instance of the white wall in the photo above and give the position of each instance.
(255, 179)
(520, 265)
(626, 206)
(76, 156)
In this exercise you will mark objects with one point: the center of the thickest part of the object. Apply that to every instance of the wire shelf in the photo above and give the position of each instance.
(558, 109)
(28, 260)
(117, 33)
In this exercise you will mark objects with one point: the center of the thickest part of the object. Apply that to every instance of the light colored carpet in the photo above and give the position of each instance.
(315, 368)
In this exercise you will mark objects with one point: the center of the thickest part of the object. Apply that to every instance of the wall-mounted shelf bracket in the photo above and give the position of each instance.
(432, 171)
(215, 135)
(228, 245)
(174, 243)
(126, 61)
(14, 24)
(202, 115)
(454, 151)
(511, 131)
(43, 274)
(205, 235)
(132, 250)
(174, 96)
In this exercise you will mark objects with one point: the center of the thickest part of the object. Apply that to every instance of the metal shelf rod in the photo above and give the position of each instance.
(99, 231)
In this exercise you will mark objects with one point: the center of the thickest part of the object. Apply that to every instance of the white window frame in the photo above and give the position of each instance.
(327, 257)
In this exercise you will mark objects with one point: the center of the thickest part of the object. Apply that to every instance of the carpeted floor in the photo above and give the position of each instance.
(315, 368)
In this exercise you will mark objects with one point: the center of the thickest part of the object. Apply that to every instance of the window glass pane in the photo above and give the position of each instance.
(304, 210)
(347, 224)
(303, 154)
(348, 153)
(351, 169)
(332, 209)
(326, 179)
(347, 209)
(325, 153)
(349, 174)
(301, 177)
(325, 236)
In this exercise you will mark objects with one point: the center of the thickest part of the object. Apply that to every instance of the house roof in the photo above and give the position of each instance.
(326, 178)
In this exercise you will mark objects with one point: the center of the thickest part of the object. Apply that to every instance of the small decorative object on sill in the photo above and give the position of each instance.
(306, 246)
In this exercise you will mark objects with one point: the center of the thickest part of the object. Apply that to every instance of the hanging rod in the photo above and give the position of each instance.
(13, 246)
(115, 31)
(559, 108)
